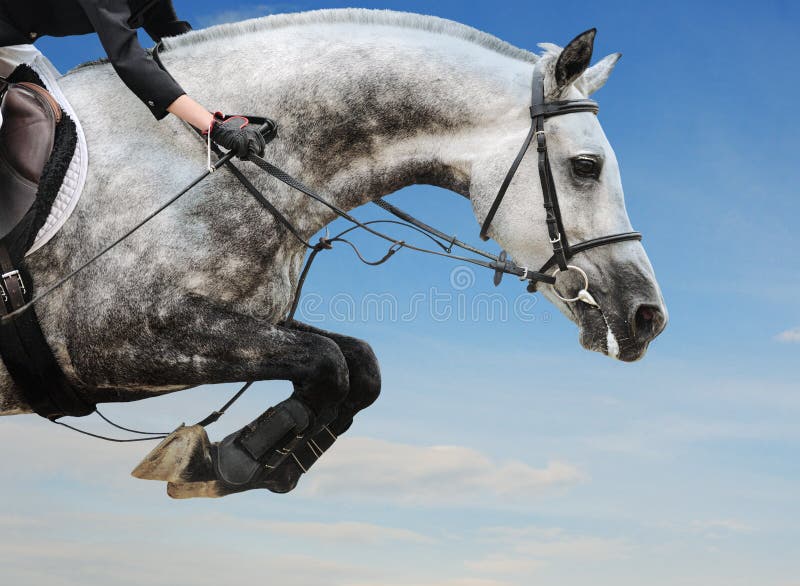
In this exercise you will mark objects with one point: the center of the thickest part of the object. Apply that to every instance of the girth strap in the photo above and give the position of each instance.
(26, 353)
(12, 287)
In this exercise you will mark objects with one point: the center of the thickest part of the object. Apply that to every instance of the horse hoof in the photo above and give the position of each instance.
(283, 480)
(217, 489)
(191, 490)
(182, 457)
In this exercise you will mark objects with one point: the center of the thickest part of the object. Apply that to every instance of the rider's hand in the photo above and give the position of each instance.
(237, 135)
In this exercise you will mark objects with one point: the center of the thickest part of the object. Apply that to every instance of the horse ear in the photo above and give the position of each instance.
(574, 59)
(597, 75)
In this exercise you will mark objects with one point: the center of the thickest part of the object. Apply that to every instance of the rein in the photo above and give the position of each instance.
(446, 243)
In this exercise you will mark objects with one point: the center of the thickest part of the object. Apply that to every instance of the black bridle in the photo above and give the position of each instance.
(562, 250)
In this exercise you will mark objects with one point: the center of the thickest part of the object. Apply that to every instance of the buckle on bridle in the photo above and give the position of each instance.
(541, 140)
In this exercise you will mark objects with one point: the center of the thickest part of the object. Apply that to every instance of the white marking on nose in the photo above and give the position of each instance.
(612, 344)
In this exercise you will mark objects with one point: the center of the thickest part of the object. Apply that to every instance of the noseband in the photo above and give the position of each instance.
(562, 250)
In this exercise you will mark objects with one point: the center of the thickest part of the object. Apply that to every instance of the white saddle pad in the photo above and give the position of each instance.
(75, 178)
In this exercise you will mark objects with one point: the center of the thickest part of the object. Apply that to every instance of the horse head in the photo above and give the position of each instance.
(624, 309)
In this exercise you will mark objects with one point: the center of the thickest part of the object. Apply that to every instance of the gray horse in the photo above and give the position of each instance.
(368, 102)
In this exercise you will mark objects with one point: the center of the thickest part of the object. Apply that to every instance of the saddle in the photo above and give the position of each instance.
(27, 136)
(34, 127)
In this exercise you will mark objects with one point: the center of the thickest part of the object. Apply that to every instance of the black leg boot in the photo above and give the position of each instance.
(253, 452)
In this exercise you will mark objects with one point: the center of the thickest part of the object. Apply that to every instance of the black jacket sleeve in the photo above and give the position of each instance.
(136, 68)
(160, 21)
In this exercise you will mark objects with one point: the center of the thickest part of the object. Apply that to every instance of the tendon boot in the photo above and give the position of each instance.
(260, 447)
(287, 475)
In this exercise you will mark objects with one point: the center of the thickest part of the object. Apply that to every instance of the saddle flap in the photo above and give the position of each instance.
(27, 136)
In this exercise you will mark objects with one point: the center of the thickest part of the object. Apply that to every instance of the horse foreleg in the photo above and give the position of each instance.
(365, 386)
(253, 350)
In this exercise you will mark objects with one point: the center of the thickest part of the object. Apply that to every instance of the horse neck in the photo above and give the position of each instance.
(364, 112)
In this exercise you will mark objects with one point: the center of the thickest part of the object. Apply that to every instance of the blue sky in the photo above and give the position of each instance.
(681, 469)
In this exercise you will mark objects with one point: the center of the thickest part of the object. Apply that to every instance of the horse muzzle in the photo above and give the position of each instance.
(629, 312)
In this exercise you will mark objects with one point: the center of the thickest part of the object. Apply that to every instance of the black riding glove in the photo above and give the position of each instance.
(237, 135)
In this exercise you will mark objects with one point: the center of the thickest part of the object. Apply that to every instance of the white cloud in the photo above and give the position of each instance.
(349, 532)
(546, 543)
(355, 468)
(44, 454)
(577, 548)
(15, 522)
(43, 450)
(200, 549)
(445, 582)
(719, 527)
(652, 438)
(789, 336)
(514, 535)
(503, 564)
(123, 564)
(431, 475)
(244, 13)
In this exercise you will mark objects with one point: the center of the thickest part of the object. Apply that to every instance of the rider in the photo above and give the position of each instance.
(22, 22)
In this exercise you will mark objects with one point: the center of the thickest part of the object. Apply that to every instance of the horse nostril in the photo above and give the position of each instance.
(648, 321)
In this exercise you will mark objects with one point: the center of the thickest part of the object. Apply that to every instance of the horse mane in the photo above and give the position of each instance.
(360, 16)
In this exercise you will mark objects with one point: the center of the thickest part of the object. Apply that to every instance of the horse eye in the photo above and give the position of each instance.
(586, 167)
